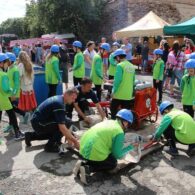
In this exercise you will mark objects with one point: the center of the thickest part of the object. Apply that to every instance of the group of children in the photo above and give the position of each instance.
(187, 84)
(16, 89)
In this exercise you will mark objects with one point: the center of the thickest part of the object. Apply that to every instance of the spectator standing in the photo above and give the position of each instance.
(88, 56)
(105, 57)
(189, 47)
(178, 67)
(144, 53)
(52, 72)
(166, 71)
(32, 51)
(79, 64)
(128, 49)
(158, 72)
(16, 49)
(38, 54)
(64, 63)
(188, 88)
(27, 100)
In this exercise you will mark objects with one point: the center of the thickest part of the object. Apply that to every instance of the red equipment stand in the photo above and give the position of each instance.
(145, 106)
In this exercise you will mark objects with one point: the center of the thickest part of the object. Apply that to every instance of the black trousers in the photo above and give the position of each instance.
(76, 81)
(99, 166)
(110, 78)
(52, 90)
(116, 105)
(98, 89)
(159, 87)
(169, 134)
(12, 119)
(83, 105)
(189, 110)
(50, 132)
(16, 109)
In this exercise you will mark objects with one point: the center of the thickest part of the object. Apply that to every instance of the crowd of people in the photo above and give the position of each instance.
(102, 144)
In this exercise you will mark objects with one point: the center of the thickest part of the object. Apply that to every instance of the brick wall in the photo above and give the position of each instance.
(121, 13)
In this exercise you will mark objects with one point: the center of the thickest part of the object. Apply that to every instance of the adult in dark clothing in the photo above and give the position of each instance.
(64, 62)
(50, 123)
(32, 53)
(144, 53)
(165, 52)
(81, 104)
(167, 72)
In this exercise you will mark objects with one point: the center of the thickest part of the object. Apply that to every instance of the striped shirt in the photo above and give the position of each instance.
(176, 62)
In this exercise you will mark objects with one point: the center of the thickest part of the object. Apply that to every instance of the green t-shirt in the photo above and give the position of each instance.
(103, 139)
(79, 65)
(52, 72)
(188, 90)
(14, 79)
(5, 92)
(183, 124)
(97, 70)
(124, 81)
(158, 70)
(112, 66)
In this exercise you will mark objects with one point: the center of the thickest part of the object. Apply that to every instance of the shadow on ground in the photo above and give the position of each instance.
(7, 158)
(60, 166)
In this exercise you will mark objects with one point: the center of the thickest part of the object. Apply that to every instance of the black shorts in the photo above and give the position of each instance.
(169, 72)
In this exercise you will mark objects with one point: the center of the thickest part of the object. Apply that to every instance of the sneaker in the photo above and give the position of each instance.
(26, 118)
(28, 139)
(63, 149)
(170, 150)
(191, 150)
(84, 174)
(54, 147)
(76, 169)
(19, 136)
(7, 128)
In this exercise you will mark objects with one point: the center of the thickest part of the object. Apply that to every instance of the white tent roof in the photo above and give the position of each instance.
(149, 25)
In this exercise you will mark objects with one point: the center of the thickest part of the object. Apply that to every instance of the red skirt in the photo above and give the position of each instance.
(27, 101)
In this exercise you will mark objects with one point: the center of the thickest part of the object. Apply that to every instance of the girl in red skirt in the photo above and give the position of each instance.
(27, 100)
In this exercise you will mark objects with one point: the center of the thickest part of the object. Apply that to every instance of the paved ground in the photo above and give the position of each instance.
(34, 172)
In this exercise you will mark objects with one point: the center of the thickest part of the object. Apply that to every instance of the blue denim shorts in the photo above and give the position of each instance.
(105, 61)
(177, 74)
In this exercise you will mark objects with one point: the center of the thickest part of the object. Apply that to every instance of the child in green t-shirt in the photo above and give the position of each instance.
(158, 70)
(188, 88)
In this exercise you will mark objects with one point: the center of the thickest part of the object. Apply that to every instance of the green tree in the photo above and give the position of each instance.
(82, 17)
(13, 26)
(33, 22)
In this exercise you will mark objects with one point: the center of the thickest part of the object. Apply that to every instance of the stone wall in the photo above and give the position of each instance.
(121, 13)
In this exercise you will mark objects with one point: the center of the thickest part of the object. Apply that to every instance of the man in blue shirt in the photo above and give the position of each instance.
(50, 123)
(81, 104)
(128, 49)
(16, 50)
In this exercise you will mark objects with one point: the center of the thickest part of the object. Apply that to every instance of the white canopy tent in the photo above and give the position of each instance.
(149, 25)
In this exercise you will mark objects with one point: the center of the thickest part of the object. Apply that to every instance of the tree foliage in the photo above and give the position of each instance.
(13, 26)
(45, 16)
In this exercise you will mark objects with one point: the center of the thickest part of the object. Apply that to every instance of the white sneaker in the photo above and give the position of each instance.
(76, 169)
(84, 174)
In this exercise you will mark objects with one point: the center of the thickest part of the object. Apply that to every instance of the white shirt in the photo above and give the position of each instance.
(91, 56)
(26, 83)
